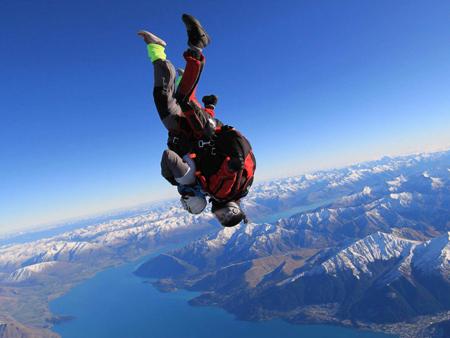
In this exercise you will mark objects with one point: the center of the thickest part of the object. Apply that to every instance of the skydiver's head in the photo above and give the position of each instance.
(210, 101)
(228, 214)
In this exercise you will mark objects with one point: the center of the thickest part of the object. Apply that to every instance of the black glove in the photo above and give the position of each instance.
(210, 100)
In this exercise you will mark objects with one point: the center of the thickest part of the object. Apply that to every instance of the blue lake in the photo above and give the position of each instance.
(274, 217)
(117, 304)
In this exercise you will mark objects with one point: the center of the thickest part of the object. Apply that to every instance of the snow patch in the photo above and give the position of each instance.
(405, 198)
(396, 183)
(436, 183)
(357, 257)
(28, 272)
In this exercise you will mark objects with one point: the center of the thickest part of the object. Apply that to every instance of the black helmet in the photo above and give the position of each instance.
(228, 214)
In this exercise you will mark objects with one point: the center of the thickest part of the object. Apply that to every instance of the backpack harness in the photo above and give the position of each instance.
(227, 162)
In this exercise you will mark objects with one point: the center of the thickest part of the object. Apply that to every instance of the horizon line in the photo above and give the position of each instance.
(116, 211)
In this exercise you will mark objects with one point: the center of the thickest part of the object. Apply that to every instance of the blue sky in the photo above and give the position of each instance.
(313, 84)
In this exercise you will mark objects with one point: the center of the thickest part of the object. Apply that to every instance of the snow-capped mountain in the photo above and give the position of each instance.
(380, 278)
(376, 251)
(429, 257)
(32, 271)
(406, 203)
(357, 257)
(114, 239)
(434, 256)
(432, 168)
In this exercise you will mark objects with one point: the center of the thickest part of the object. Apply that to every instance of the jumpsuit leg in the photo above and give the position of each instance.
(164, 94)
(188, 84)
(201, 123)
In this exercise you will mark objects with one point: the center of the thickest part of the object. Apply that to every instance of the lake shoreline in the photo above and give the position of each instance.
(168, 306)
(415, 328)
(31, 306)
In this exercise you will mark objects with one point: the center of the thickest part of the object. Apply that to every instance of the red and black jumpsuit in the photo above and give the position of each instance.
(191, 129)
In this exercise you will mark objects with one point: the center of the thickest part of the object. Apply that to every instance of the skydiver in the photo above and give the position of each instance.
(204, 156)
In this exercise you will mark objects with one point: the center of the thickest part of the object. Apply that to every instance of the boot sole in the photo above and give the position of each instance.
(153, 38)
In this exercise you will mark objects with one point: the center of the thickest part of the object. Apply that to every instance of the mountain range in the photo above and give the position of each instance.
(365, 246)
(377, 254)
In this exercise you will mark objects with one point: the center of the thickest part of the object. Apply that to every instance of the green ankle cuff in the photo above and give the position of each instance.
(178, 80)
(156, 52)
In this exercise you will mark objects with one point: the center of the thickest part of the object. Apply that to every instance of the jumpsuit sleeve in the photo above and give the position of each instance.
(173, 166)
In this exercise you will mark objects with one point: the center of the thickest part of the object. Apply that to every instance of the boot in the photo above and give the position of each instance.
(197, 36)
(151, 38)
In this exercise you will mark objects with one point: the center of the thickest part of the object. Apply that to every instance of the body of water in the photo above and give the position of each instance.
(117, 304)
(274, 217)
